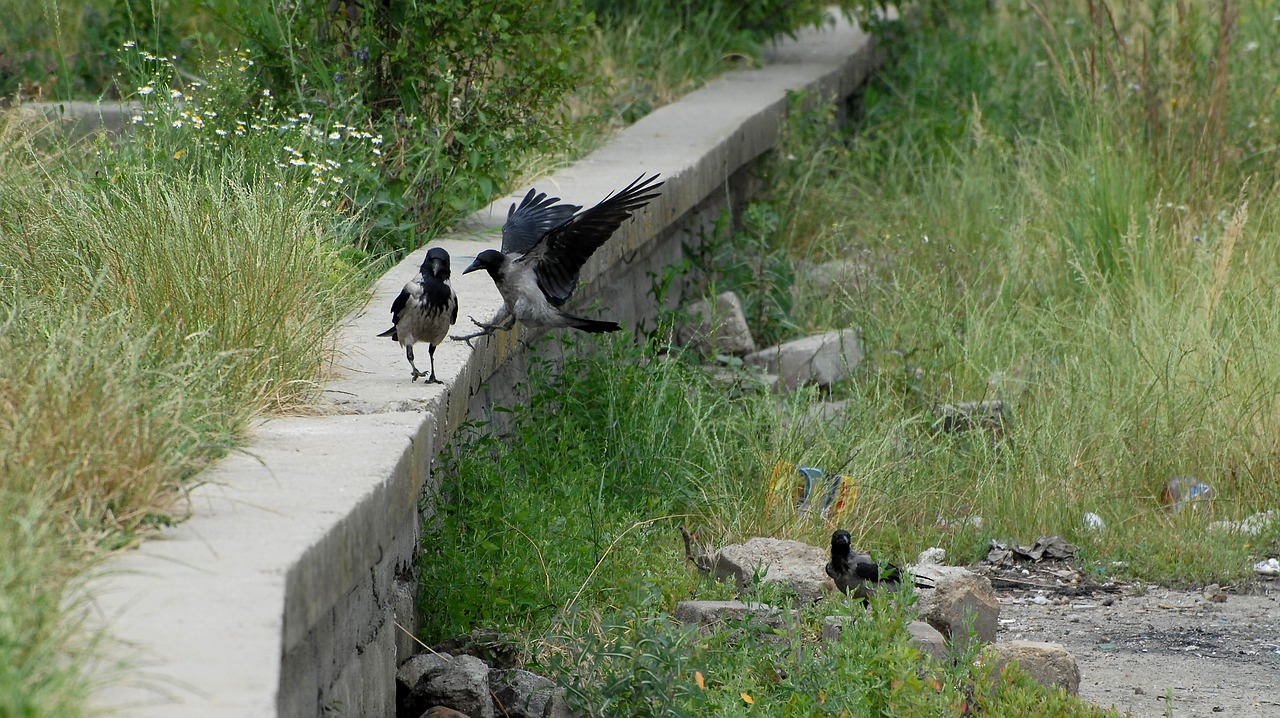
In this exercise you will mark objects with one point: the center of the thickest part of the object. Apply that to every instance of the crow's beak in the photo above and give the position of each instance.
(471, 267)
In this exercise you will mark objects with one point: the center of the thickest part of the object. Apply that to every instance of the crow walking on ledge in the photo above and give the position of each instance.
(544, 246)
(424, 310)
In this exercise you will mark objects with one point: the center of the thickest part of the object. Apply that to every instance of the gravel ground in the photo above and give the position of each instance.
(1161, 651)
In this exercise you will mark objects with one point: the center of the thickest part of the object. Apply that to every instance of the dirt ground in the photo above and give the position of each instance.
(1159, 651)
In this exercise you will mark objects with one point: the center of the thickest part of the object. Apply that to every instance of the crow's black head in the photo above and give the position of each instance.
(490, 260)
(436, 264)
(840, 543)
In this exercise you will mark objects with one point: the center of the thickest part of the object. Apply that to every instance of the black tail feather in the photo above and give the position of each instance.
(390, 333)
(593, 326)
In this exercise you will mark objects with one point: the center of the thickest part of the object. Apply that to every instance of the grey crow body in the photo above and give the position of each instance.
(424, 310)
(544, 246)
(857, 574)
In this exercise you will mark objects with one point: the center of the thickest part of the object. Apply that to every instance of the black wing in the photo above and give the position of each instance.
(559, 259)
(527, 224)
(397, 308)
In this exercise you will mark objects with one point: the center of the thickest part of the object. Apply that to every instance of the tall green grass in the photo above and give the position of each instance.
(1053, 227)
(145, 317)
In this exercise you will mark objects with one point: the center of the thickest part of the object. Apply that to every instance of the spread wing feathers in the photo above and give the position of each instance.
(558, 260)
(528, 223)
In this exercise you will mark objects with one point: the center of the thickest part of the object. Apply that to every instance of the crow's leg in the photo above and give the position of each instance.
(431, 352)
(505, 320)
(408, 352)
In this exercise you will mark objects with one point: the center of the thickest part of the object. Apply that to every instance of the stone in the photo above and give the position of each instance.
(928, 640)
(924, 637)
(1213, 593)
(438, 679)
(493, 647)
(558, 707)
(718, 326)
(832, 276)
(520, 694)
(823, 359)
(962, 416)
(443, 712)
(932, 556)
(1049, 664)
(799, 567)
(706, 614)
(833, 626)
(959, 598)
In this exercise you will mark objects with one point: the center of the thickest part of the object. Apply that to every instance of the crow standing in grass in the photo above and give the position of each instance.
(424, 310)
(544, 246)
(857, 574)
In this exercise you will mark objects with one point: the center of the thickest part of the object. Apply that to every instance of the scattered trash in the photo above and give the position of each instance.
(812, 488)
(1270, 567)
(1106, 646)
(1040, 600)
(1252, 525)
(1181, 491)
(1094, 522)
(1046, 548)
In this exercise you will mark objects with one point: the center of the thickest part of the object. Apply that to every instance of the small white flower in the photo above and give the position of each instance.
(311, 190)
(377, 151)
(266, 93)
(177, 123)
(304, 115)
(175, 94)
(130, 44)
(146, 90)
(336, 180)
(1251, 47)
(136, 119)
(297, 161)
(335, 136)
(221, 133)
(377, 140)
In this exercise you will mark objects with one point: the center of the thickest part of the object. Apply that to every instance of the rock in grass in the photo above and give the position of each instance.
(718, 326)
(1049, 664)
(924, 637)
(796, 566)
(965, 415)
(959, 599)
(457, 682)
(823, 359)
(520, 694)
(709, 614)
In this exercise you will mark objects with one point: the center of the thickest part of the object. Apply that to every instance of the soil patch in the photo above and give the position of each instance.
(1161, 651)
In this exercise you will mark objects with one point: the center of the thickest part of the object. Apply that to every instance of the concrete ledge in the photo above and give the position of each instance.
(282, 594)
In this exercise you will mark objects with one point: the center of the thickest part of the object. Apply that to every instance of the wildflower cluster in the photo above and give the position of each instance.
(180, 123)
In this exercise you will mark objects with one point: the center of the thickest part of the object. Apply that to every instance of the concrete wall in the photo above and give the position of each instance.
(290, 590)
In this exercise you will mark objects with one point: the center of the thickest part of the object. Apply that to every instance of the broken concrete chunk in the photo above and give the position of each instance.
(959, 599)
(1049, 664)
(718, 326)
(823, 359)
(797, 566)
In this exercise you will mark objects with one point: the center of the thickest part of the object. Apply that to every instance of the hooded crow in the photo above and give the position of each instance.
(544, 246)
(424, 310)
(857, 574)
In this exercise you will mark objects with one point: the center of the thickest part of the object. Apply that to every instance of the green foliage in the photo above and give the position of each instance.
(759, 19)
(147, 311)
(458, 88)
